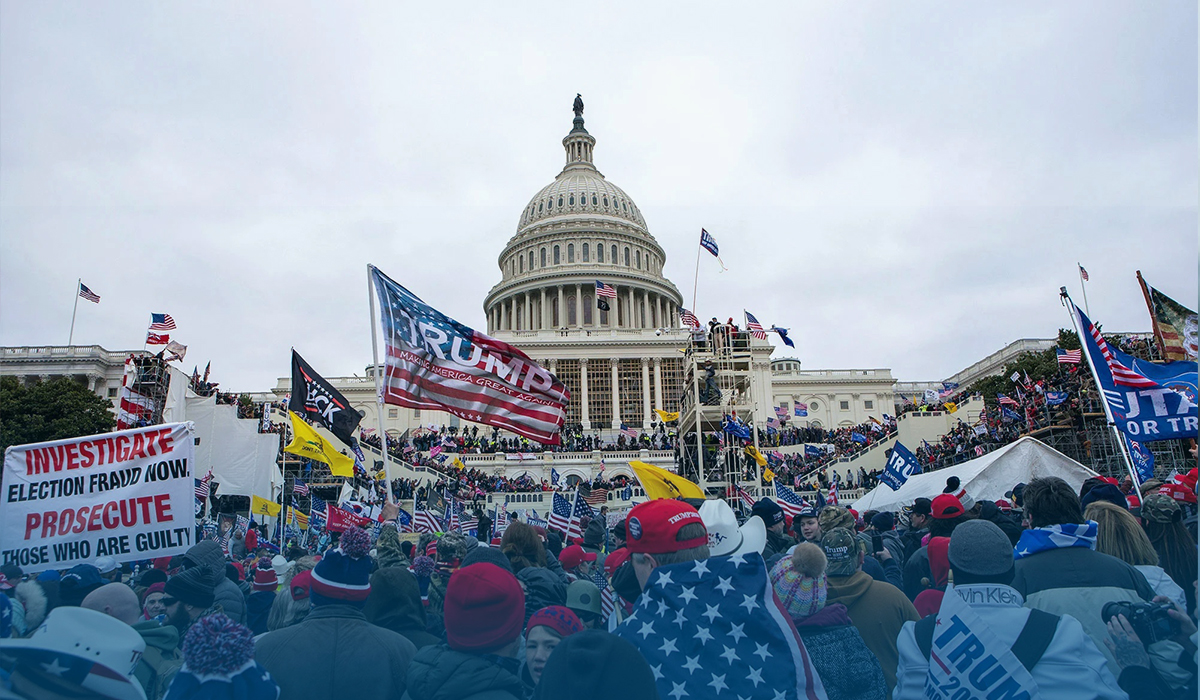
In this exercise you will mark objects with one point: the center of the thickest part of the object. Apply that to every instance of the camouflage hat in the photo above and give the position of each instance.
(835, 516)
(841, 549)
(1160, 508)
(451, 547)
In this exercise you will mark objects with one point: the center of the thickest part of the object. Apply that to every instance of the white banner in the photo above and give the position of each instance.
(128, 495)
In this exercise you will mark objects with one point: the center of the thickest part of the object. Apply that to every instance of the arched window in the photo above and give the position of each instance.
(571, 311)
(572, 200)
(614, 255)
(521, 264)
(605, 201)
(560, 200)
(531, 261)
(593, 200)
(599, 252)
(543, 256)
(638, 257)
(539, 207)
(586, 257)
(556, 258)
(570, 252)
(626, 256)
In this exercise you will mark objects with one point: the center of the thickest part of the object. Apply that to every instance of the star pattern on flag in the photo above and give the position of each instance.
(722, 624)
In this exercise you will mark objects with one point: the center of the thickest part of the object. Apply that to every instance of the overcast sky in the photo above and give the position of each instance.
(904, 185)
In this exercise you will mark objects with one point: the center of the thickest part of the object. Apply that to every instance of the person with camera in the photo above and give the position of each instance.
(986, 641)
(1133, 628)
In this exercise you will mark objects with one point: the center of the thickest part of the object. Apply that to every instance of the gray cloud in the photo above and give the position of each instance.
(903, 186)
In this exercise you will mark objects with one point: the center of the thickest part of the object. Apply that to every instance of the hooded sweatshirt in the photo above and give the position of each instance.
(208, 553)
(441, 673)
(394, 603)
(878, 610)
(161, 660)
(543, 588)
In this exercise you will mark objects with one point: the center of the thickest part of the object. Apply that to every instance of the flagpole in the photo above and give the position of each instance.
(1083, 286)
(695, 284)
(383, 441)
(79, 285)
(1112, 424)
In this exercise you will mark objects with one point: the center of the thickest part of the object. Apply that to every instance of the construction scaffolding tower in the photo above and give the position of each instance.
(150, 378)
(718, 382)
(1090, 441)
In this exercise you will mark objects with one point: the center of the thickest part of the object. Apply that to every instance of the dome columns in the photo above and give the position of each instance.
(556, 306)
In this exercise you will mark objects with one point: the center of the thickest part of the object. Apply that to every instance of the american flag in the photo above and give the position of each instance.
(596, 497)
(1122, 375)
(773, 423)
(162, 322)
(629, 432)
(300, 488)
(406, 521)
(754, 326)
(1006, 401)
(469, 526)
(317, 506)
(560, 513)
(979, 450)
(688, 318)
(1068, 357)
(156, 339)
(714, 628)
(604, 290)
(745, 497)
(1083, 273)
(499, 519)
(202, 487)
(471, 375)
(788, 499)
(833, 494)
(453, 509)
(426, 521)
(88, 294)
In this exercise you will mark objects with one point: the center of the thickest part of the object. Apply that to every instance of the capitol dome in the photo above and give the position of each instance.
(578, 230)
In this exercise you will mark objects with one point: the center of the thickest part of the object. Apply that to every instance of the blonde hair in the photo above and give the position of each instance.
(1120, 535)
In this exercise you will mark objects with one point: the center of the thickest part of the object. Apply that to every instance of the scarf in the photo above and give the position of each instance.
(1043, 539)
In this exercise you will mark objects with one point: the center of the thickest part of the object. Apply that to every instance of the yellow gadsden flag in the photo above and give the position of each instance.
(758, 456)
(660, 483)
(951, 407)
(261, 506)
(306, 442)
(768, 475)
(667, 416)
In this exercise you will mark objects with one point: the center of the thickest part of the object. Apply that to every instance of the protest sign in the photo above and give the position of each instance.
(128, 495)
(340, 520)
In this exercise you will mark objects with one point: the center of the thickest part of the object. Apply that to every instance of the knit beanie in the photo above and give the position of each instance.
(562, 620)
(484, 608)
(423, 568)
(192, 586)
(492, 555)
(451, 548)
(883, 521)
(265, 576)
(218, 663)
(1104, 492)
(343, 576)
(800, 580)
(954, 488)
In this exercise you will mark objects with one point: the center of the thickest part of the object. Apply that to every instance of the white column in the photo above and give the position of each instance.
(583, 394)
(512, 313)
(545, 323)
(579, 305)
(562, 308)
(616, 394)
(658, 403)
(646, 393)
(658, 317)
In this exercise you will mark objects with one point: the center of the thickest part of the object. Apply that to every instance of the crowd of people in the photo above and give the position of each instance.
(1052, 592)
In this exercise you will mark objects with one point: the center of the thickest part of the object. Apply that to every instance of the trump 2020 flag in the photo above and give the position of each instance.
(1143, 459)
(901, 465)
(434, 362)
(714, 628)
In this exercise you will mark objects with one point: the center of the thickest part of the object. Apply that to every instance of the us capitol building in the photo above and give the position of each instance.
(619, 364)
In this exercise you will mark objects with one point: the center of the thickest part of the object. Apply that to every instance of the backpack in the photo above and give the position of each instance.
(1031, 643)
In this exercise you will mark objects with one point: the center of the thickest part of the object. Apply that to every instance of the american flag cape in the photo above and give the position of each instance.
(714, 628)
(436, 363)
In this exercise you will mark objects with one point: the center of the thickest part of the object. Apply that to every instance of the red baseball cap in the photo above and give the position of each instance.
(573, 556)
(947, 506)
(614, 560)
(652, 527)
(1003, 505)
(1179, 492)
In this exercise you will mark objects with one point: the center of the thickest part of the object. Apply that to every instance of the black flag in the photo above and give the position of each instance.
(602, 303)
(315, 399)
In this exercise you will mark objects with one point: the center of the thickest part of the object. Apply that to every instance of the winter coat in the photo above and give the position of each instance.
(29, 609)
(887, 570)
(777, 543)
(388, 549)
(848, 669)
(593, 537)
(208, 553)
(237, 547)
(878, 611)
(441, 673)
(1077, 581)
(1163, 584)
(161, 660)
(988, 510)
(394, 603)
(911, 541)
(258, 608)
(1071, 667)
(335, 653)
(542, 588)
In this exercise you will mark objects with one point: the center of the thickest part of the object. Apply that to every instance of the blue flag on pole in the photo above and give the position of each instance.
(901, 465)
(813, 451)
(1148, 401)
(554, 476)
(735, 427)
(1009, 414)
(783, 335)
(858, 437)
(1143, 459)
(1054, 398)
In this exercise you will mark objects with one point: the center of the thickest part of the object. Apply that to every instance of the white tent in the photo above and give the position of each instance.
(242, 460)
(985, 478)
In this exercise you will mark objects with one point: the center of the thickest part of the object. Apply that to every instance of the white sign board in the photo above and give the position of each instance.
(128, 495)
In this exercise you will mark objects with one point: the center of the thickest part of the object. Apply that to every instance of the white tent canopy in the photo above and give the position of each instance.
(985, 478)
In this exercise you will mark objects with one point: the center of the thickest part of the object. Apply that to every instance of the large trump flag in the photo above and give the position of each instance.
(434, 362)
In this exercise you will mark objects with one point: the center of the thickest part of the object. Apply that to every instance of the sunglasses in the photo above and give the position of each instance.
(167, 601)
